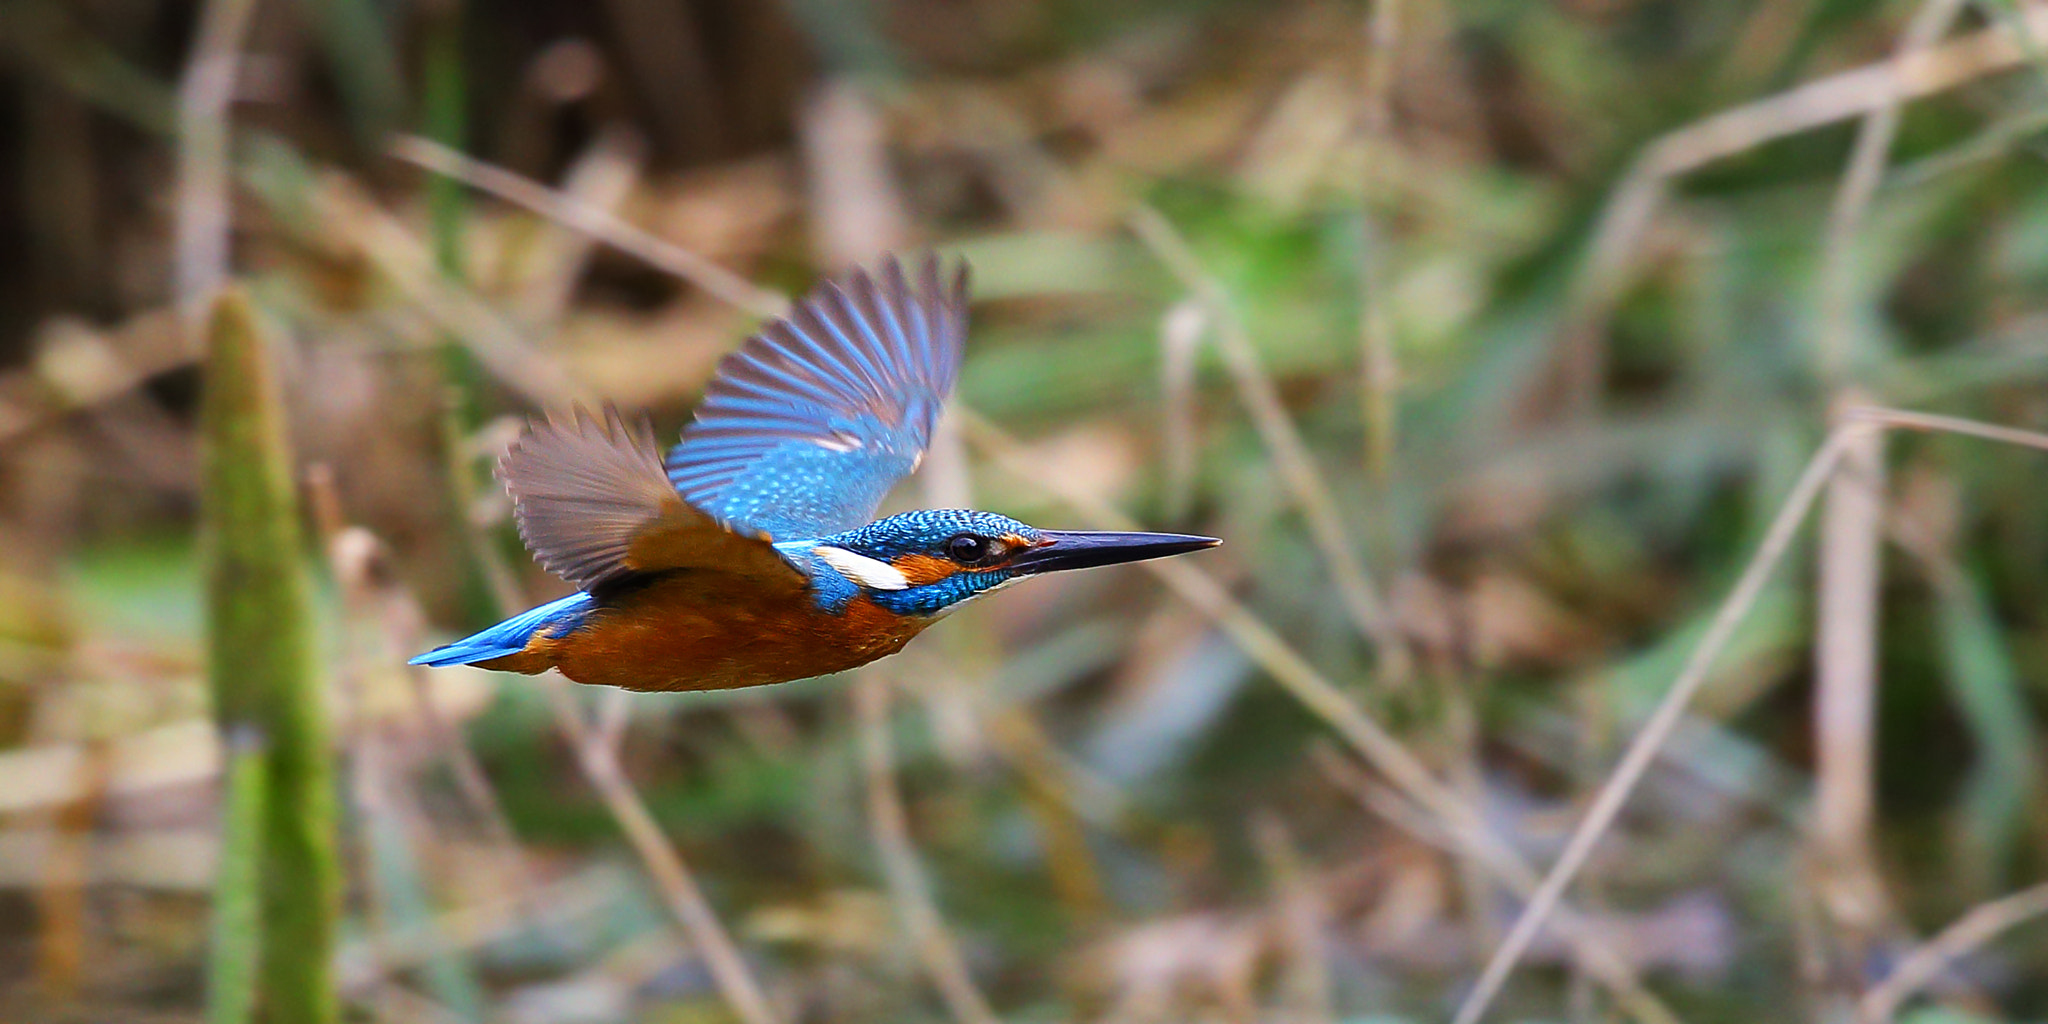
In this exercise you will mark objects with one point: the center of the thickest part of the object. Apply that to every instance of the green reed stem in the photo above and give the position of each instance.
(237, 944)
(260, 647)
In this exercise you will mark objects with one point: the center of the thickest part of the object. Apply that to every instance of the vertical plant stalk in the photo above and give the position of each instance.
(443, 93)
(200, 240)
(1665, 720)
(857, 209)
(442, 99)
(1380, 369)
(260, 653)
(1845, 685)
(236, 944)
(1851, 548)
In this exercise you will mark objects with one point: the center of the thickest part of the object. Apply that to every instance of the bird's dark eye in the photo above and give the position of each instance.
(968, 549)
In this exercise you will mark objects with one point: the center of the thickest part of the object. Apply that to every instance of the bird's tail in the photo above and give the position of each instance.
(511, 635)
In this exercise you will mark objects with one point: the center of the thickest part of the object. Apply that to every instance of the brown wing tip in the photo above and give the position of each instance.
(606, 426)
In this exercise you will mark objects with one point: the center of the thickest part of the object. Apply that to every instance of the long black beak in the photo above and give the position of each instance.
(1062, 549)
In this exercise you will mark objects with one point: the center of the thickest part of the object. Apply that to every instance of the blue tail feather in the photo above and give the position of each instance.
(511, 635)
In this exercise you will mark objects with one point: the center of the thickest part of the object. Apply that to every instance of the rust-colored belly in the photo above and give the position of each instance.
(674, 636)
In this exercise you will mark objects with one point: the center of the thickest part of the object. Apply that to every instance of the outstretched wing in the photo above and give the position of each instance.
(808, 424)
(594, 507)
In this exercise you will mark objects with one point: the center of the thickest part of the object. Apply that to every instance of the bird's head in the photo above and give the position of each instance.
(928, 562)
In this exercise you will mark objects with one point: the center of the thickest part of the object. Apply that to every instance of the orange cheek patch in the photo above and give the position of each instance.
(923, 569)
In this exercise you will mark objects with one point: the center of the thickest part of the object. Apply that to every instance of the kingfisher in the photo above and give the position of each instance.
(750, 554)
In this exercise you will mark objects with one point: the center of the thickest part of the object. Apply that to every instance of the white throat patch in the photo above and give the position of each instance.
(869, 573)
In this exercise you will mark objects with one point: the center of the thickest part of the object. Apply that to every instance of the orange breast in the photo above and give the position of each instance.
(682, 634)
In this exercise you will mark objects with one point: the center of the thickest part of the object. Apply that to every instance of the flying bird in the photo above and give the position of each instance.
(750, 553)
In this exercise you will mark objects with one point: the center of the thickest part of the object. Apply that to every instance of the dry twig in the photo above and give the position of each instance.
(1984, 923)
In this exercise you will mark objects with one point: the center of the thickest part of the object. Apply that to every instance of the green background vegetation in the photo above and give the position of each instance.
(1354, 286)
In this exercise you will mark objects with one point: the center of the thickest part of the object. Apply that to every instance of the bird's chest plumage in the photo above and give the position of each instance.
(683, 635)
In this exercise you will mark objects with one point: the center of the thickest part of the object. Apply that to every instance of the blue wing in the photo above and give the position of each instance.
(807, 425)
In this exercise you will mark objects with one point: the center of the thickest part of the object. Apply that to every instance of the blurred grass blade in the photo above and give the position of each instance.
(442, 98)
(364, 64)
(260, 658)
(237, 948)
(403, 891)
(1986, 688)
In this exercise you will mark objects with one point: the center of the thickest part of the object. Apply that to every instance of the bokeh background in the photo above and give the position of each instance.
(1491, 336)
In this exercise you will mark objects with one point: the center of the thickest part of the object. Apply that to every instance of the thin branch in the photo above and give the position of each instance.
(1984, 923)
(1290, 454)
(908, 886)
(1905, 419)
(1643, 750)
(594, 221)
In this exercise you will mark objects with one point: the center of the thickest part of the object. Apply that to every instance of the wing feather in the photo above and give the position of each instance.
(808, 424)
(594, 506)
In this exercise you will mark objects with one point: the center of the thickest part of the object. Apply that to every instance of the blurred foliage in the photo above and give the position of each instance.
(1551, 562)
